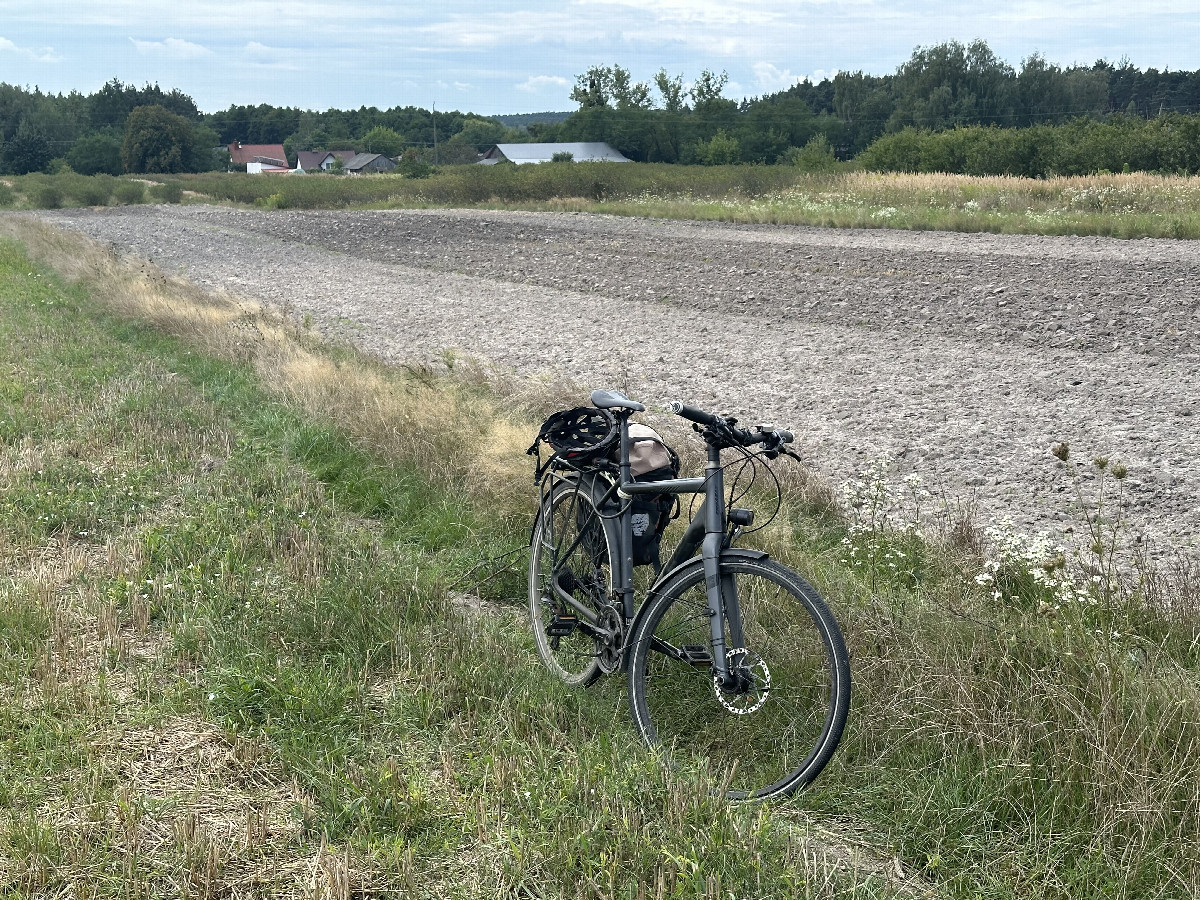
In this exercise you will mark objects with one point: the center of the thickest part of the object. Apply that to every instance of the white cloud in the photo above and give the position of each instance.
(39, 54)
(171, 15)
(770, 79)
(480, 31)
(723, 13)
(263, 57)
(171, 48)
(819, 75)
(537, 83)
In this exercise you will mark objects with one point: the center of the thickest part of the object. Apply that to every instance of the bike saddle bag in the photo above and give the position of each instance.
(650, 459)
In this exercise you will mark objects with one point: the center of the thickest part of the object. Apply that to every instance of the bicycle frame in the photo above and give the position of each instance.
(705, 531)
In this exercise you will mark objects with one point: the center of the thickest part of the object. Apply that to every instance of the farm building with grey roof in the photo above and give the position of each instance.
(524, 154)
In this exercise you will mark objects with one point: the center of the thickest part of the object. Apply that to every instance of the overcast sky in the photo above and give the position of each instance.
(510, 57)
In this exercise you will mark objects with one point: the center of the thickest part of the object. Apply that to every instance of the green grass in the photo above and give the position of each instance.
(233, 648)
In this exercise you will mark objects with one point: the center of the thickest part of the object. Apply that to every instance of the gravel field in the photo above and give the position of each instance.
(962, 357)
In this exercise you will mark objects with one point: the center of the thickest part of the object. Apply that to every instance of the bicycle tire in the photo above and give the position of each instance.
(584, 567)
(783, 743)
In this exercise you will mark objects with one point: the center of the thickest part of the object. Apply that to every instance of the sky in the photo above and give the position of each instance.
(518, 57)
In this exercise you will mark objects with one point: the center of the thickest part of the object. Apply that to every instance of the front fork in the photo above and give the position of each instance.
(721, 589)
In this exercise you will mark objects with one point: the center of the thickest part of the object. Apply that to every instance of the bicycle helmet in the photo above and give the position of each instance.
(575, 437)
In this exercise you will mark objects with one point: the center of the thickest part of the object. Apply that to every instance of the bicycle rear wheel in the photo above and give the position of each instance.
(776, 730)
(571, 552)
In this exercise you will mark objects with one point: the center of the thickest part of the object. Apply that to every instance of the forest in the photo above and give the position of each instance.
(950, 107)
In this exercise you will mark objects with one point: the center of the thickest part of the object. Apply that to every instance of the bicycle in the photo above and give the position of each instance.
(732, 659)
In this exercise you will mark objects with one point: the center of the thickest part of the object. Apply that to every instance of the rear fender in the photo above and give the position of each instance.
(595, 483)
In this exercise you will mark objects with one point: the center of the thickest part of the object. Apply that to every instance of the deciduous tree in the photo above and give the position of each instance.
(96, 154)
(383, 140)
(157, 141)
(26, 151)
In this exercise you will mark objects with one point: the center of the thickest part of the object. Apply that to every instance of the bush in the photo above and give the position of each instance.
(46, 195)
(95, 154)
(721, 150)
(1167, 144)
(90, 191)
(129, 192)
(7, 197)
(274, 201)
(170, 192)
(815, 156)
(412, 166)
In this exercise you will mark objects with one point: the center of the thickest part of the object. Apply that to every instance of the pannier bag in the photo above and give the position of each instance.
(650, 459)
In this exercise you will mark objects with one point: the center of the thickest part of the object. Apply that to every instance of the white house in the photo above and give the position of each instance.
(311, 160)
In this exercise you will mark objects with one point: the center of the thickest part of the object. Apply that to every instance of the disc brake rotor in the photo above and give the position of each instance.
(754, 669)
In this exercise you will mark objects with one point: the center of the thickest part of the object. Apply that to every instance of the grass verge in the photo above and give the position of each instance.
(238, 659)
(1113, 205)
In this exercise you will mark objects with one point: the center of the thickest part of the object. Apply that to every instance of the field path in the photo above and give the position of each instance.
(964, 357)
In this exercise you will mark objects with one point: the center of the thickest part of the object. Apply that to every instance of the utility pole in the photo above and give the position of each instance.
(435, 132)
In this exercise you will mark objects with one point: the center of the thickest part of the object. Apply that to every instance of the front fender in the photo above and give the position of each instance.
(695, 562)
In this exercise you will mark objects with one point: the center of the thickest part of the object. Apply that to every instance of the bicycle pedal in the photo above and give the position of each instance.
(562, 625)
(695, 655)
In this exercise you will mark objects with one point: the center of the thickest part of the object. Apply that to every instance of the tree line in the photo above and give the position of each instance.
(124, 128)
(963, 91)
(943, 87)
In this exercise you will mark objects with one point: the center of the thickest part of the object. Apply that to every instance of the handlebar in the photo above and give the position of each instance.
(774, 438)
(693, 414)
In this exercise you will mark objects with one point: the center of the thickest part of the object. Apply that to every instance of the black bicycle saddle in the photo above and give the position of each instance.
(615, 400)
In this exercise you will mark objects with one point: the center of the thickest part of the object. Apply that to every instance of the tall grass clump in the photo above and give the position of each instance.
(167, 192)
(45, 194)
(93, 190)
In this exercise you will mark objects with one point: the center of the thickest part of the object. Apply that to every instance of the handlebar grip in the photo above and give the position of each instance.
(786, 436)
(693, 414)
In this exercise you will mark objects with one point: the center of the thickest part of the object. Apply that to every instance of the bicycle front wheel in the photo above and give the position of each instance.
(571, 554)
(774, 729)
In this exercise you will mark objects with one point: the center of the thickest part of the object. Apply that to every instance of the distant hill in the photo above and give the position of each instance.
(524, 120)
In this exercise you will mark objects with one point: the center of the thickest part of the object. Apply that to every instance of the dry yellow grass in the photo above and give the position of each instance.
(453, 428)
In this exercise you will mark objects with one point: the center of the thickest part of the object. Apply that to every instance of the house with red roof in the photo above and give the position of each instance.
(267, 155)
